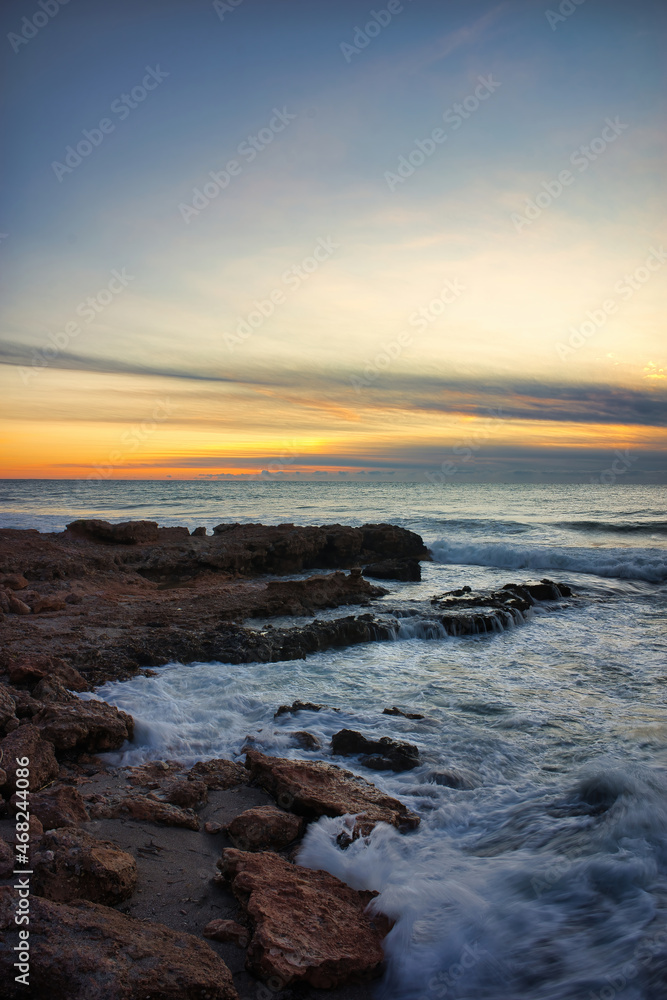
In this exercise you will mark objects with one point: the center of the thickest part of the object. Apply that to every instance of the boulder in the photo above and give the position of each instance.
(26, 741)
(305, 740)
(71, 864)
(308, 927)
(301, 706)
(58, 806)
(50, 603)
(264, 827)
(398, 711)
(189, 793)
(227, 931)
(90, 726)
(92, 952)
(17, 607)
(13, 581)
(219, 774)
(151, 810)
(314, 788)
(394, 569)
(198, 532)
(28, 670)
(384, 754)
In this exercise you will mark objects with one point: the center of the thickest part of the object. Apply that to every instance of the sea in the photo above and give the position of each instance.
(544, 877)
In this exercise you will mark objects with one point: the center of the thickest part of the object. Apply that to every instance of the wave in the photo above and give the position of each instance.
(618, 527)
(622, 564)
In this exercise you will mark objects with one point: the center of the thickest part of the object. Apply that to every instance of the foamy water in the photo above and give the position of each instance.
(546, 878)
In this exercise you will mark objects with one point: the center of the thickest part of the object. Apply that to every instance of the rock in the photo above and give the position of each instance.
(71, 864)
(397, 711)
(6, 859)
(92, 952)
(264, 827)
(26, 741)
(4, 601)
(308, 926)
(17, 607)
(89, 726)
(3, 781)
(125, 533)
(219, 774)
(198, 533)
(144, 808)
(60, 805)
(171, 534)
(227, 930)
(213, 827)
(73, 598)
(28, 670)
(52, 603)
(50, 689)
(189, 793)
(452, 778)
(301, 706)
(394, 569)
(13, 581)
(7, 706)
(384, 754)
(313, 789)
(305, 740)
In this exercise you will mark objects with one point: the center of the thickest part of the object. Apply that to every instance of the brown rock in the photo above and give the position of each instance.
(52, 603)
(60, 805)
(198, 532)
(92, 952)
(172, 534)
(125, 533)
(26, 741)
(17, 607)
(308, 926)
(189, 793)
(313, 788)
(219, 774)
(4, 601)
(227, 930)
(7, 706)
(6, 859)
(51, 689)
(145, 808)
(264, 827)
(213, 827)
(305, 740)
(300, 706)
(28, 670)
(91, 726)
(71, 864)
(13, 581)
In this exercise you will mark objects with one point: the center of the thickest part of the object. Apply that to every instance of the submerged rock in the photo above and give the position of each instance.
(384, 754)
(85, 951)
(314, 788)
(398, 711)
(307, 926)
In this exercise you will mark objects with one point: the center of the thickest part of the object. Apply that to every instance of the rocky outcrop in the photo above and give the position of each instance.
(308, 927)
(264, 827)
(26, 741)
(314, 788)
(126, 533)
(394, 569)
(61, 805)
(384, 754)
(27, 671)
(7, 707)
(91, 952)
(71, 864)
(87, 726)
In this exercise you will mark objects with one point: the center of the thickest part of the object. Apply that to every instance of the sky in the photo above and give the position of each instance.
(418, 240)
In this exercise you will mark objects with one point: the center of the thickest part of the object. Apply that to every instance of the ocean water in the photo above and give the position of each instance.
(545, 877)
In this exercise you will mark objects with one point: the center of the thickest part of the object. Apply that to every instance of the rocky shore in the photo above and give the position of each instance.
(173, 881)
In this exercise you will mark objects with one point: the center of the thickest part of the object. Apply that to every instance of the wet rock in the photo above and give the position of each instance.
(452, 777)
(91, 952)
(227, 931)
(13, 581)
(313, 789)
(301, 706)
(26, 741)
(71, 864)
(384, 754)
(394, 569)
(308, 926)
(305, 740)
(152, 810)
(89, 726)
(60, 805)
(264, 827)
(545, 590)
(219, 774)
(398, 711)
